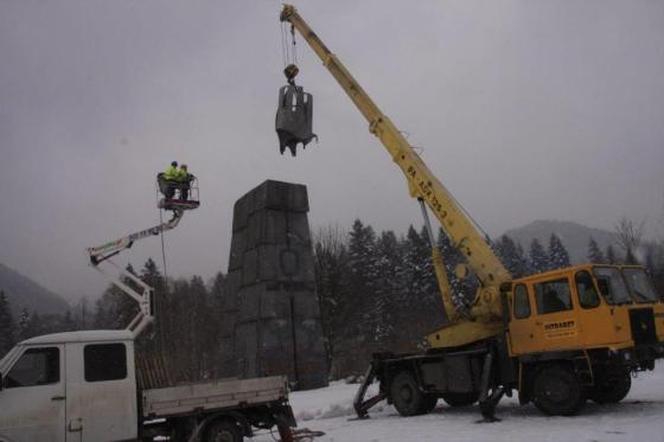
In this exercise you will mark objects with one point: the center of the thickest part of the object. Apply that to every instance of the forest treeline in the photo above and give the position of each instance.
(377, 292)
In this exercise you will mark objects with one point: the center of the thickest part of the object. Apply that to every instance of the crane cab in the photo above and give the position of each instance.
(587, 307)
(177, 195)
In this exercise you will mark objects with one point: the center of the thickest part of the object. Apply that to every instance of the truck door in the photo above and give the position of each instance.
(32, 400)
(557, 325)
(105, 390)
(522, 322)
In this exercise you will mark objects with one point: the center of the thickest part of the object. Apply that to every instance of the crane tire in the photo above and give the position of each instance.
(557, 391)
(406, 395)
(612, 389)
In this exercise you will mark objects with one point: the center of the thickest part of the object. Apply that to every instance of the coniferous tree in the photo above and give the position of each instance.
(595, 255)
(35, 326)
(155, 342)
(509, 254)
(463, 292)
(362, 278)
(388, 288)
(539, 259)
(203, 329)
(23, 322)
(67, 323)
(419, 284)
(7, 325)
(558, 255)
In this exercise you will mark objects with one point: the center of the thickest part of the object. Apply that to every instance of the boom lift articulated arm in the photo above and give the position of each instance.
(144, 295)
(484, 318)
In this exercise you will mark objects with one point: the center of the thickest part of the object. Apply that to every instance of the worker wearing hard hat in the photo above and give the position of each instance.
(183, 178)
(170, 177)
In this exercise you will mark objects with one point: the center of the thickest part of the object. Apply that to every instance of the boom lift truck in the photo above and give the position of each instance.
(558, 337)
(85, 386)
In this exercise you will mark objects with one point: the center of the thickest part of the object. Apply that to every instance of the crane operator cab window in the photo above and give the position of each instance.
(640, 285)
(611, 285)
(585, 288)
(521, 302)
(553, 296)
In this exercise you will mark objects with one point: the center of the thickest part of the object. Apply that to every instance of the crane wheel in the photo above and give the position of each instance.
(461, 399)
(611, 389)
(407, 397)
(224, 430)
(557, 391)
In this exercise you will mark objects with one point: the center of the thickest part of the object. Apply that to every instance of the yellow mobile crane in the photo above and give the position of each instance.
(558, 337)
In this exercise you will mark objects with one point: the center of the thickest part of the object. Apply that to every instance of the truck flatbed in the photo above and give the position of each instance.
(216, 395)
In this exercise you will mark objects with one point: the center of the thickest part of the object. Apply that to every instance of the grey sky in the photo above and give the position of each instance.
(525, 110)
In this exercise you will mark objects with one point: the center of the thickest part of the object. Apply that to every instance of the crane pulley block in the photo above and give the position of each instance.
(294, 121)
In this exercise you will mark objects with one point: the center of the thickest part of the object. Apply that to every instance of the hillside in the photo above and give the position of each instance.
(574, 236)
(22, 292)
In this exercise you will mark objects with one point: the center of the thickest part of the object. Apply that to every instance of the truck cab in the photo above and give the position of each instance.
(588, 307)
(65, 387)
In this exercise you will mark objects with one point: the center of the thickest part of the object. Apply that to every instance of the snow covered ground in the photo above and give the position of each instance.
(640, 417)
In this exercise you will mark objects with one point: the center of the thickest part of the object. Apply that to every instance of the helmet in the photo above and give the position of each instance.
(184, 166)
(174, 163)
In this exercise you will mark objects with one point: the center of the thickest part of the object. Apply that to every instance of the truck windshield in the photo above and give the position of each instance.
(4, 362)
(611, 285)
(639, 285)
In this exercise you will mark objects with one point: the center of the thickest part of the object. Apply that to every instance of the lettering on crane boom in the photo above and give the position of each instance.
(426, 190)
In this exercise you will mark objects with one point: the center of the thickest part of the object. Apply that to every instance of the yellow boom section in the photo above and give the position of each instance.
(422, 184)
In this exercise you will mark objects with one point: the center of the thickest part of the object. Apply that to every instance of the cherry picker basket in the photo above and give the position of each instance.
(177, 195)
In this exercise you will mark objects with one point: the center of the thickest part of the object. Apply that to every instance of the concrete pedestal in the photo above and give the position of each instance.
(272, 313)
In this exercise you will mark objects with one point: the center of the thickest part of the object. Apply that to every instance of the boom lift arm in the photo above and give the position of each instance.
(484, 318)
(144, 295)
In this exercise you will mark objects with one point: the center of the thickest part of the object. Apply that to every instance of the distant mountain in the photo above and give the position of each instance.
(574, 236)
(22, 292)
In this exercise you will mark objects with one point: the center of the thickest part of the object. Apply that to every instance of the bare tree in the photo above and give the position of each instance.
(629, 236)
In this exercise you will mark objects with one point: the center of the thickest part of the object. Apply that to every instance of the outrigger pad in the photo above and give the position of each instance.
(294, 120)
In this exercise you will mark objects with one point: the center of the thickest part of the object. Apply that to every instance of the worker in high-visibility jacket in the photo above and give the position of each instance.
(183, 178)
(170, 176)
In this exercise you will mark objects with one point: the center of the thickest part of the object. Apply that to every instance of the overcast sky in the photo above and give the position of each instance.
(524, 109)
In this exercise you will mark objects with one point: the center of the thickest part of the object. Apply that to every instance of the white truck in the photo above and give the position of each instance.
(82, 387)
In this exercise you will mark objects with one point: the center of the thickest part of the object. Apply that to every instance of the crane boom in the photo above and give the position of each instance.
(483, 320)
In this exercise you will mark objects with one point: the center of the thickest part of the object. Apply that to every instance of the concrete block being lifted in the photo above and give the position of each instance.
(276, 315)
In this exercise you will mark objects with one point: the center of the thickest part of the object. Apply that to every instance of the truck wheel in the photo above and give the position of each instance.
(461, 399)
(557, 391)
(611, 389)
(223, 431)
(407, 398)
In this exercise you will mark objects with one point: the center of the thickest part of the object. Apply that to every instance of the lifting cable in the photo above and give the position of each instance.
(163, 247)
(288, 44)
(162, 340)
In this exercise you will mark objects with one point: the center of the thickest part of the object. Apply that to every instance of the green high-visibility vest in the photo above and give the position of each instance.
(182, 175)
(171, 173)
